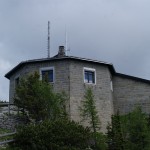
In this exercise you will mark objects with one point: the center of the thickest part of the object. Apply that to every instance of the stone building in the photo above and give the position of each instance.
(113, 91)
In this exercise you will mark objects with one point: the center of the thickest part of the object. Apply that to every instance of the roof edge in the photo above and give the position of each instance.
(132, 77)
(7, 75)
(110, 66)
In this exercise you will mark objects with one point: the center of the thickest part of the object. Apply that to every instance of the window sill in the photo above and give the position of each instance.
(89, 83)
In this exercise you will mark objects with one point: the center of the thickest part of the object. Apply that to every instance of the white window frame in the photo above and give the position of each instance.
(46, 69)
(89, 69)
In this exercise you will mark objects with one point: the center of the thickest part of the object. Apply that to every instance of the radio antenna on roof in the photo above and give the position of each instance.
(48, 41)
(66, 42)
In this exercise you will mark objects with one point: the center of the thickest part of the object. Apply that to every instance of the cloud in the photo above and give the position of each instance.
(113, 31)
(4, 65)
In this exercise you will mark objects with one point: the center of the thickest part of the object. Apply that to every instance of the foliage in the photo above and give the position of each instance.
(101, 141)
(38, 99)
(4, 131)
(88, 111)
(53, 135)
(136, 131)
(129, 132)
(114, 134)
(8, 148)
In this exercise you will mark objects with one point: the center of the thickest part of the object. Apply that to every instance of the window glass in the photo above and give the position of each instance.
(47, 75)
(111, 85)
(17, 81)
(86, 76)
(89, 76)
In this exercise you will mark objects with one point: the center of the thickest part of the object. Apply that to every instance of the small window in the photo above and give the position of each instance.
(89, 75)
(47, 74)
(111, 85)
(16, 81)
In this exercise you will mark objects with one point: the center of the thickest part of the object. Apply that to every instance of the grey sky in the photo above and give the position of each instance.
(115, 31)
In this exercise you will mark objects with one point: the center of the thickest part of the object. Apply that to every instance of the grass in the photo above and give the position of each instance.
(4, 131)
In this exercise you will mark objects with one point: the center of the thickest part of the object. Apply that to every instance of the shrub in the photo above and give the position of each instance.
(37, 99)
(56, 135)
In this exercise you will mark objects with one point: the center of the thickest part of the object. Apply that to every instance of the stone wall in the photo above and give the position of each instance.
(129, 93)
(9, 119)
(8, 122)
(101, 90)
(61, 75)
(69, 77)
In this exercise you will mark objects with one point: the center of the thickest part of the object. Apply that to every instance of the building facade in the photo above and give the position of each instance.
(112, 91)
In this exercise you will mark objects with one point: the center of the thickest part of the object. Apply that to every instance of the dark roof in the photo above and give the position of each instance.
(55, 58)
(7, 75)
(132, 77)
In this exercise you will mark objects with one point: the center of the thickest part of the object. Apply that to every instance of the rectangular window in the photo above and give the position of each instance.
(16, 81)
(47, 74)
(89, 75)
(111, 85)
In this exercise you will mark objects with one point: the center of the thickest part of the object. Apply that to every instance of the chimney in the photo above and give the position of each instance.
(61, 52)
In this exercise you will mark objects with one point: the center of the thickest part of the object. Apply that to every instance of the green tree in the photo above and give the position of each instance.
(129, 132)
(38, 99)
(136, 130)
(114, 134)
(89, 112)
(53, 135)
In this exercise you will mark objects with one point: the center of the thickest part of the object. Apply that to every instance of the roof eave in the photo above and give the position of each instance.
(8, 74)
(111, 67)
(132, 77)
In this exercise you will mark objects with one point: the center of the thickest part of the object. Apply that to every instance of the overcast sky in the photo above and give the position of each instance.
(115, 31)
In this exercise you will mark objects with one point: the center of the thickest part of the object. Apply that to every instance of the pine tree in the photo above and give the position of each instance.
(38, 99)
(129, 132)
(137, 130)
(114, 134)
(88, 111)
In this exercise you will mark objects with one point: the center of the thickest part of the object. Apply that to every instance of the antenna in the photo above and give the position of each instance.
(66, 42)
(48, 41)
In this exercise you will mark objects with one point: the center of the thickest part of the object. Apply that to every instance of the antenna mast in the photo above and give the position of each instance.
(66, 44)
(48, 41)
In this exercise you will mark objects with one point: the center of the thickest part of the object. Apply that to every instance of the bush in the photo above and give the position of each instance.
(129, 132)
(101, 141)
(57, 135)
(38, 101)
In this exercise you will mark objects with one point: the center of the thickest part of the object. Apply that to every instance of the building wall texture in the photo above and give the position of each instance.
(69, 77)
(129, 93)
(61, 81)
(102, 91)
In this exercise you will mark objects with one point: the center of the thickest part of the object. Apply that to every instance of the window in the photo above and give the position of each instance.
(89, 76)
(16, 81)
(111, 85)
(47, 74)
